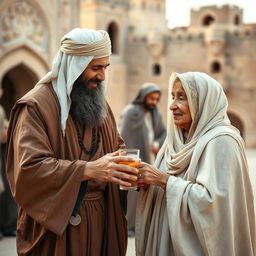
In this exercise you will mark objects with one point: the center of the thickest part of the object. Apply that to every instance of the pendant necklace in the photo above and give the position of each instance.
(75, 219)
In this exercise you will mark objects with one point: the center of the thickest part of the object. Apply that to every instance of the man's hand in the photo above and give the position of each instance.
(108, 169)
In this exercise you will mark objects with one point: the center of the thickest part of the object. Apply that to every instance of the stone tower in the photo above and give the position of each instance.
(146, 42)
(112, 16)
(137, 29)
(147, 16)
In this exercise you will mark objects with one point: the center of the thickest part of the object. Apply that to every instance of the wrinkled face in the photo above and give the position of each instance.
(151, 100)
(180, 108)
(94, 73)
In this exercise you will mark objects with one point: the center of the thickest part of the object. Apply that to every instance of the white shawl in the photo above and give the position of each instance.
(208, 199)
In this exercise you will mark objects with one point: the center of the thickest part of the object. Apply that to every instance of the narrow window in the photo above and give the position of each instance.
(216, 67)
(156, 69)
(237, 20)
(113, 34)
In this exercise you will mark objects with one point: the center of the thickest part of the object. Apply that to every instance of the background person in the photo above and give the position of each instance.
(200, 200)
(142, 128)
(60, 138)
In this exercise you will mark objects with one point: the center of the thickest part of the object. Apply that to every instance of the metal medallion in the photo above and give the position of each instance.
(75, 220)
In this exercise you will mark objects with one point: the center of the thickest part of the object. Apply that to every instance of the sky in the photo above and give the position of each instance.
(178, 10)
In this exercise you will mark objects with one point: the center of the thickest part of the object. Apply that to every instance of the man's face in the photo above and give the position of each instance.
(87, 96)
(151, 100)
(94, 73)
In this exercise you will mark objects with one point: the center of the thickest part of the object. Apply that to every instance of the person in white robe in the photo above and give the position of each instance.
(197, 199)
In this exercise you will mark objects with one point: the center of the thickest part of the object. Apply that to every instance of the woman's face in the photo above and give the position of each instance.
(180, 108)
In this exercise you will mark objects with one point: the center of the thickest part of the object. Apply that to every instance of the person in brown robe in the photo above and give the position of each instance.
(55, 142)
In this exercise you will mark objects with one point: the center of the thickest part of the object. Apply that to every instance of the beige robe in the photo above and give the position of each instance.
(45, 173)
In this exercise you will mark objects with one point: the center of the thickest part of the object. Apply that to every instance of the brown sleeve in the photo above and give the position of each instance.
(44, 186)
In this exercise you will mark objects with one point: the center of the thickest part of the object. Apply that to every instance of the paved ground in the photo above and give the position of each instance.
(7, 245)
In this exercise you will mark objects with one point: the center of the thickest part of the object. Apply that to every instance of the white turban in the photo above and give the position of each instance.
(78, 48)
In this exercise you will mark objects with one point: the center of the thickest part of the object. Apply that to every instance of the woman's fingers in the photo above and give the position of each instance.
(147, 174)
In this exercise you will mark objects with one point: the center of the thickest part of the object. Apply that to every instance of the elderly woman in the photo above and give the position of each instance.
(200, 199)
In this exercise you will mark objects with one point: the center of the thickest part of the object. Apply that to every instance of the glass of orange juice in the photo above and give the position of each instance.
(135, 154)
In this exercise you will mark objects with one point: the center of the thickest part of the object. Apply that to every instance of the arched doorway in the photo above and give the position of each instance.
(113, 34)
(208, 20)
(237, 122)
(15, 83)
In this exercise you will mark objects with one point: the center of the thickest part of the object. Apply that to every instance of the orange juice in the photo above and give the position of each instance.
(134, 164)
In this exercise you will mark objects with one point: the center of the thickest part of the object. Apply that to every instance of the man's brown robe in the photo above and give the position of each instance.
(45, 173)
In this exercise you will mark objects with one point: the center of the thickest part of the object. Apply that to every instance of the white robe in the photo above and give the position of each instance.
(211, 216)
(207, 208)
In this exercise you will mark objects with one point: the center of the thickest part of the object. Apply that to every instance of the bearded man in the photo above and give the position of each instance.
(62, 158)
(142, 127)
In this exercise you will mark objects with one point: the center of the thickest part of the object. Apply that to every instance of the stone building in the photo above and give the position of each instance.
(144, 49)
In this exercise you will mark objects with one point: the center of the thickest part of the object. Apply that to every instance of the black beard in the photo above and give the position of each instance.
(148, 107)
(88, 104)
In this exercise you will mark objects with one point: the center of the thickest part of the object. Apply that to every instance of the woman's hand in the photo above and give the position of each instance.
(108, 169)
(149, 174)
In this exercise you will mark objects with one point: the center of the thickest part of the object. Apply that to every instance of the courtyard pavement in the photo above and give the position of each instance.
(8, 247)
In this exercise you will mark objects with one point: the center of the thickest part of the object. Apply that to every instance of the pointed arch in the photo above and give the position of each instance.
(23, 54)
(15, 83)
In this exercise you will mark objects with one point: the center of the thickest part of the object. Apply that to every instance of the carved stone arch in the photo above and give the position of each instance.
(20, 70)
(26, 20)
(114, 34)
(23, 54)
(46, 11)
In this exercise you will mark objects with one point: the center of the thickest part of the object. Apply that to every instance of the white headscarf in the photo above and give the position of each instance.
(78, 48)
(208, 107)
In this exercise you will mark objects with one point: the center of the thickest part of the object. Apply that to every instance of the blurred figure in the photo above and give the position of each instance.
(8, 207)
(142, 127)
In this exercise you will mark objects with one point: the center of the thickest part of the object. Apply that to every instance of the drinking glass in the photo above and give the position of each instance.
(135, 154)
